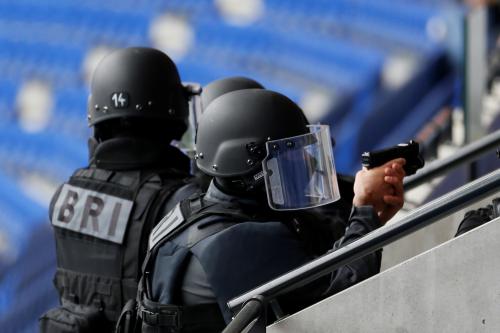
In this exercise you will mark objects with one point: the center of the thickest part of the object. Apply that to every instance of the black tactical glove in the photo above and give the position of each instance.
(475, 218)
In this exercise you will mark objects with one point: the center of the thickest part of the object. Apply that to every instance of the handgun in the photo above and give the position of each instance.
(409, 151)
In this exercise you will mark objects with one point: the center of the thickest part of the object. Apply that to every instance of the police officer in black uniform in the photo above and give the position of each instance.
(223, 86)
(103, 214)
(210, 92)
(335, 214)
(338, 211)
(248, 228)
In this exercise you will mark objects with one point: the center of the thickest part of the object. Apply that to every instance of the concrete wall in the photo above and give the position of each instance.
(454, 287)
(426, 238)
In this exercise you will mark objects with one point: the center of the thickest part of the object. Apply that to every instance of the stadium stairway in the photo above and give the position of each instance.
(451, 288)
(295, 47)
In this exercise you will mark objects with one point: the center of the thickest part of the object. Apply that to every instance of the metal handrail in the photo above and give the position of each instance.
(463, 155)
(417, 219)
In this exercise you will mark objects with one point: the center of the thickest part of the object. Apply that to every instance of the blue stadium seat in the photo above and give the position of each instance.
(27, 291)
(69, 113)
(363, 129)
(261, 50)
(74, 25)
(414, 120)
(58, 64)
(196, 71)
(18, 215)
(8, 93)
(371, 23)
(54, 156)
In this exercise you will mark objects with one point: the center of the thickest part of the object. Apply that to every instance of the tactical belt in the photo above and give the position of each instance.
(177, 317)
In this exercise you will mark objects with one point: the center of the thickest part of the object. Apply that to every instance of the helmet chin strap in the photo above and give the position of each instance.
(251, 185)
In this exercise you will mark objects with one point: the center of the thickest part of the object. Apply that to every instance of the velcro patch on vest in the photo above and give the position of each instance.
(92, 213)
(171, 221)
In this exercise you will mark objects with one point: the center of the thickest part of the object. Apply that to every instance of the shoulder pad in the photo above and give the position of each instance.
(165, 227)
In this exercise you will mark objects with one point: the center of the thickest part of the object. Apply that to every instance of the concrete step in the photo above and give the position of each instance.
(454, 287)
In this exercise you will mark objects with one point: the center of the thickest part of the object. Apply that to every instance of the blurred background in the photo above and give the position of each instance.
(379, 72)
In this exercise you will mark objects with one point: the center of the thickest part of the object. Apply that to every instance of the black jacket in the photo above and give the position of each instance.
(246, 254)
(102, 218)
(143, 156)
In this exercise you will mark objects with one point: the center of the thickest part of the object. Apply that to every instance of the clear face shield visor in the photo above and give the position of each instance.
(186, 143)
(299, 172)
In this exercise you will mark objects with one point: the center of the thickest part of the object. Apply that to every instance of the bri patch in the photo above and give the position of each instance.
(171, 221)
(92, 213)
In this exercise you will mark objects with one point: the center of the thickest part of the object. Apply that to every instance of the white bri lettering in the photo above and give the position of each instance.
(92, 213)
(171, 221)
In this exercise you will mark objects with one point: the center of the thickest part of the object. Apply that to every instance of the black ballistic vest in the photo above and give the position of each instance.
(102, 220)
(148, 316)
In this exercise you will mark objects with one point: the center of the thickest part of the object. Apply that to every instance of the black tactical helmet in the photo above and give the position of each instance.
(234, 128)
(222, 86)
(138, 82)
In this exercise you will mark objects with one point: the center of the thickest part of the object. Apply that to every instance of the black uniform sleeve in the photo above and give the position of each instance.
(362, 221)
(179, 195)
(248, 254)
